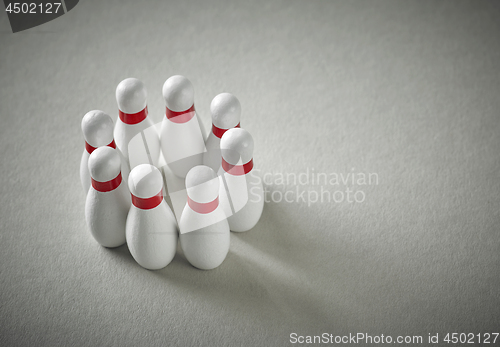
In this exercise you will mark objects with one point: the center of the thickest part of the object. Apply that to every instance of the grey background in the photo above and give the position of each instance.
(405, 89)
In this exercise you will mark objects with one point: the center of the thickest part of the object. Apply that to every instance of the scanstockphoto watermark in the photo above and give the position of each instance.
(311, 186)
(308, 186)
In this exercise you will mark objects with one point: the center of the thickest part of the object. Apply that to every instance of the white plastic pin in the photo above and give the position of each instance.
(241, 191)
(204, 229)
(181, 136)
(152, 230)
(135, 134)
(108, 199)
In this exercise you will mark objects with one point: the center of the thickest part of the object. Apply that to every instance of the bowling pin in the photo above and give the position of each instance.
(181, 136)
(226, 111)
(203, 226)
(108, 199)
(151, 229)
(135, 134)
(241, 191)
(97, 128)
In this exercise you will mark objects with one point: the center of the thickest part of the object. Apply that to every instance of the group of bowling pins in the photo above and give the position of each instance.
(124, 187)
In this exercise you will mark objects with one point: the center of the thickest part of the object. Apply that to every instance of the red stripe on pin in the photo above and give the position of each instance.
(108, 185)
(203, 207)
(133, 118)
(180, 117)
(237, 170)
(219, 131)
(90, 149)
(149, 203)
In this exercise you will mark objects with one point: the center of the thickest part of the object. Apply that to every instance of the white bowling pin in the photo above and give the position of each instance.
(151, 226)
(241, 191)
(226, 111)
(135, 133)
(203, 226)
(181, 135)
(97, 128)
(108, 199)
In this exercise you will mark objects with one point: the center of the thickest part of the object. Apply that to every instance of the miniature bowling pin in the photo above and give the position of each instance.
(241, 191)
(151, 228)
(203, 226)
(181, 136)
(108, 199)
(135, 133)
(226, 111)
(97, 128)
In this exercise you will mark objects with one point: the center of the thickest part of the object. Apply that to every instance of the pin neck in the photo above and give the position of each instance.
(90, 149)
(180, 117)
(203, 208)
(237, 170)
(219, 131)
(133, 118)
(107, 186)
(148, 203)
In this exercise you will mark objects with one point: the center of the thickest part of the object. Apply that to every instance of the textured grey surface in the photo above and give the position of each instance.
(407, 90)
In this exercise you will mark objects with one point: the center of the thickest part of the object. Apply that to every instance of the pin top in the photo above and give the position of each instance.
(145, 181)
(178, 93)
(202, 184)
(131, 95)
(236, 146)
(104, 164)
(97, 128)
(226, 111)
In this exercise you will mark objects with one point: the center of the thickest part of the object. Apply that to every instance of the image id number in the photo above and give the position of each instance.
(25, 7)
